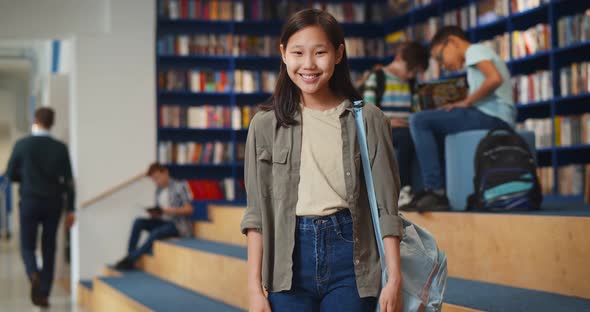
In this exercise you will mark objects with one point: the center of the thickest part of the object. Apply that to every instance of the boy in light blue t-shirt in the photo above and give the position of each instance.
(488, 105)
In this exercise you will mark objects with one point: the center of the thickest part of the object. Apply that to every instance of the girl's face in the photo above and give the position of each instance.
(310, 59)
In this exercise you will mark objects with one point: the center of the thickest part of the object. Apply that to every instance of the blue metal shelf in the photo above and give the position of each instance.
(575, 147)
(573, 154)
(184, 129)
(528, 18)
(576, 52)
(183, 26)
(541, 109)
(490, 30)
(196, 135)
(529, 63)
(534, 104)
(236, 202)
(203, 165)
(575, 46)
(573, 104)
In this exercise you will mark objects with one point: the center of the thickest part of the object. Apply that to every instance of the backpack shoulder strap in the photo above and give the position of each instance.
(380, 75)
(357, 108)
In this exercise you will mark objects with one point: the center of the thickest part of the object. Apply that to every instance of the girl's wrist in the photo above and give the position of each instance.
(254, 290)
(394, 277)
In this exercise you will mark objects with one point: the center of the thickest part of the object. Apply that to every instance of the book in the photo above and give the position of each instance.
(532, 88)
(434, 94)
(194, 153)
(155, 212)
(575, 79)
(571, 180)
(501, 45)
(543, 129)
(531, 41)
(523, 5)
(489, 11)
(573, 29)
(463, 17)
(572, 130)
(210, 189)
(545, 177)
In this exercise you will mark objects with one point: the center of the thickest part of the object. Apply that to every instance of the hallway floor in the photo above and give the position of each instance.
(14, 286)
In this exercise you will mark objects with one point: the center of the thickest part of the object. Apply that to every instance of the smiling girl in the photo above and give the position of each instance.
(308, 222)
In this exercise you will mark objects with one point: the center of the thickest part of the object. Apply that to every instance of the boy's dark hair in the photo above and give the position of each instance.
(45, 116)
(287, 96)
(444, 33)
(415, 55)
(155, 167)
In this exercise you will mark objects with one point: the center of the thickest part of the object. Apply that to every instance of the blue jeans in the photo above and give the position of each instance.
(428, 126)
(158, 229)
(34, 213)
(405, 154)
(323, 269)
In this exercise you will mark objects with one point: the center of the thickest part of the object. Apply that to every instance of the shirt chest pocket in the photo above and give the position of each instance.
(273, 171)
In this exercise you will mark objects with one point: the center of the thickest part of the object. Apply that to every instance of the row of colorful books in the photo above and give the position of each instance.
(196, 80)
(575, 79)
(206, 116)
(572, 179)
(559, 131)
(523, 5)
(531, 41)
(543, 129)
(222, 189)
(573, 29)
(532, 88)
(242, 45)
(184, 153)
(355, 11)
(572, 130)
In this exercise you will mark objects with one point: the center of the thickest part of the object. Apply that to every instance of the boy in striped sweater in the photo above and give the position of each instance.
(389, 88)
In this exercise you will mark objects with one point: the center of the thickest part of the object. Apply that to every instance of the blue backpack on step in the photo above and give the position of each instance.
(505, 174)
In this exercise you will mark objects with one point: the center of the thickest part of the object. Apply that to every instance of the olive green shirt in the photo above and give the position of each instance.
(272, 163)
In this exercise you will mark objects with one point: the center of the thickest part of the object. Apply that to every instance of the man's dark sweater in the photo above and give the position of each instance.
(42, 166)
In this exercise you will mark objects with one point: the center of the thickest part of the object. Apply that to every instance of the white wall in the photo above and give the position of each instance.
(115, 99)
(112, 93)
(59, 99)
(106, 227)
(7, 112)
(53, 19)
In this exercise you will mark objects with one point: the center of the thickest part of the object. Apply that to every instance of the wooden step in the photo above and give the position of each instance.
(139, 291)
(203, 267)
(221, 225)
(447, 307)
(213, 258)
(547, 253)
(84, 298)
(108, 298)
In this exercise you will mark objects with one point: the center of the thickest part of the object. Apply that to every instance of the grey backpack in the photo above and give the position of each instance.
(424, 266)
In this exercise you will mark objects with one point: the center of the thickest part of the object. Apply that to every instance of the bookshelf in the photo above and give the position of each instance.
(552, 59)
(184, 26)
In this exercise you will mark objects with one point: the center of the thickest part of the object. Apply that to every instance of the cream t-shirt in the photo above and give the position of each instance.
(322, 190)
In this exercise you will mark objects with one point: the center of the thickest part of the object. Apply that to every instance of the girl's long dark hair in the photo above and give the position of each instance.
(287, 96)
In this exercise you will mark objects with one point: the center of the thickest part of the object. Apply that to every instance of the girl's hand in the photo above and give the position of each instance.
(391, 297)
(450, 107)
(259, 303)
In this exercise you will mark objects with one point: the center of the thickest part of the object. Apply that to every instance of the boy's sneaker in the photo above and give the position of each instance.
(427, 200)
(405, 196)
(125, 264)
